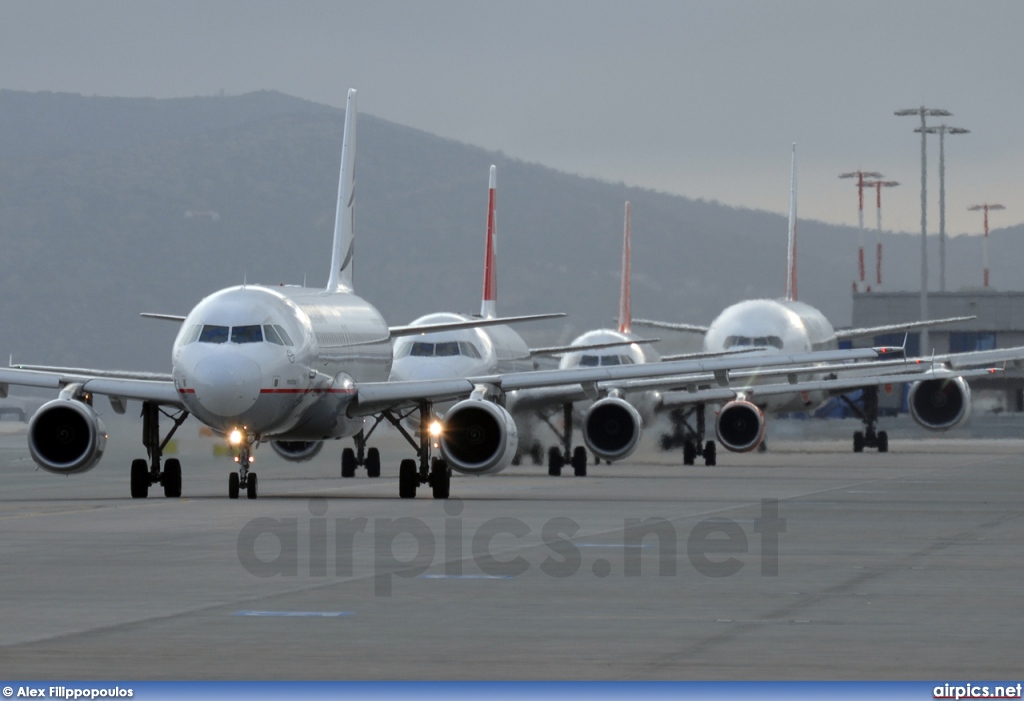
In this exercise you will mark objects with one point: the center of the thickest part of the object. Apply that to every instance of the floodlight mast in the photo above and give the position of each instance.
(987, 208)
(860, 175)
(942, 130)
(924, 112)
(878, 185)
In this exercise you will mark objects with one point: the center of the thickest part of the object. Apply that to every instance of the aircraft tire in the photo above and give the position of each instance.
(140, 479)
(233, 485)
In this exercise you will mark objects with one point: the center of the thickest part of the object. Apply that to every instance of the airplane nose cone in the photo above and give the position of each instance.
(227, 385)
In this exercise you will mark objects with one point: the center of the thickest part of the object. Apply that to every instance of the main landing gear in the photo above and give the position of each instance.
(433, 471)
(369, 458)
(690, 436)
(566, 455)
(143, 473)
(868, 413)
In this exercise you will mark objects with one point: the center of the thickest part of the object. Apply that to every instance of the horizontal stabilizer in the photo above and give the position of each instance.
(559, 350)
(846, 334)
(468, 324)
(164, 317)
(688, 328)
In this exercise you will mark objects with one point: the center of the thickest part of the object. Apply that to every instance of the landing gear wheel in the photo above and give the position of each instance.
(348, 463)
(689, 452)
(665, 443)
(858, 442)
(172, 478)
(140, 479)
(440, 479)
(883, 442)
(710, 454)
(250, 485)
(579, 461)
(555, 461)
(408, 480)
(373, 462)
(233, 485)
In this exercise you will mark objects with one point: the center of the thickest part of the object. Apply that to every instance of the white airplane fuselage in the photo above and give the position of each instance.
(279, 362)
(627, 354)
(780, 326)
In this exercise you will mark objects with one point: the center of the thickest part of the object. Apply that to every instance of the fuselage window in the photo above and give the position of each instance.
(247, 334)
(213, 334)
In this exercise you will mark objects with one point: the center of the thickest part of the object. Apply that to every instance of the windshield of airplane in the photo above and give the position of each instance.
(254, 333)
(445, 349)
(758, 341)
(593, 361)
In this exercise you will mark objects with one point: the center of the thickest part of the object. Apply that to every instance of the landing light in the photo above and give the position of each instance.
(435, 429)
(235, 437)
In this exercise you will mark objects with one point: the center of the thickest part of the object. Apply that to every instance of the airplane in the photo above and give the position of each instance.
(787, 326)
(300, 365)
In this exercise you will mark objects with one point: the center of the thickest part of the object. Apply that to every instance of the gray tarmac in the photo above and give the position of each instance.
(804, 562)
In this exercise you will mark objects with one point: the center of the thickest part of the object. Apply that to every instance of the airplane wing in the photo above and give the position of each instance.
(143, 386)
(374, 397)
(846, 334)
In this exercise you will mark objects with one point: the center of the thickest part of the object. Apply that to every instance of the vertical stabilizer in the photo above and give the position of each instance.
(488, 305)
(625, 315)
(791, 248)
(342, 254)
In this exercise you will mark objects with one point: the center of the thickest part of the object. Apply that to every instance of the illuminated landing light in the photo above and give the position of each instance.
(235, 437)
(435, 429)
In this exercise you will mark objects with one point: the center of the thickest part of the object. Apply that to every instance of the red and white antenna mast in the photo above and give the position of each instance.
(986, 208)
(860, 175)
(878, 185)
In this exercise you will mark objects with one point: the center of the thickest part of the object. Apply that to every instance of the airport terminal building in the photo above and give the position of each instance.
(999, 323)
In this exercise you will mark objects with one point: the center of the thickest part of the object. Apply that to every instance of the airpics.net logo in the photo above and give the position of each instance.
(502, 547)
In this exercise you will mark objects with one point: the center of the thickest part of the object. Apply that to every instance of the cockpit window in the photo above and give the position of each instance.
(272, 336)
(445, 349)
(755, 341)
(247, 334)
(283, 334)
(593, 361)
(213, 334)
(193, 334)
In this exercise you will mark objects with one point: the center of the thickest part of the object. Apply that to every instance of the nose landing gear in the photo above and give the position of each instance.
(243, 479)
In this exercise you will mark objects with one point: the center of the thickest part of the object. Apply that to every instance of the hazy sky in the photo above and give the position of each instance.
(701, 99)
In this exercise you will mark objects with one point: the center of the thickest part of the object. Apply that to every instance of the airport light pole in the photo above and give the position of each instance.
(942, 130)
(878, 185)
(860, 175)
(986, 208)
(924, 112)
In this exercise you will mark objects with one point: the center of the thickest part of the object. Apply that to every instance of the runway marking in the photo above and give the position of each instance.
(613, 545)
(295, 614)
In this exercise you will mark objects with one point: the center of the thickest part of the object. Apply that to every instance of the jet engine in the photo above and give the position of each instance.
(612, 428)
(479, 437)
(297, 451)
(939, 405)
(66, 437)
(740, 426)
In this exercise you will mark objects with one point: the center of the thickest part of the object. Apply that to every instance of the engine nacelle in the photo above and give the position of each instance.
(479, 437)
(66, 437)
(740, 426)
(612, 428)
(297, 451)
(940, 405)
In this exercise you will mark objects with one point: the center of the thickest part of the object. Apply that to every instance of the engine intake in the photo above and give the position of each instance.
(66, 437)
(740, 426)
(612, 428)
(940, 405)
(297, 451)
(479, 437)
